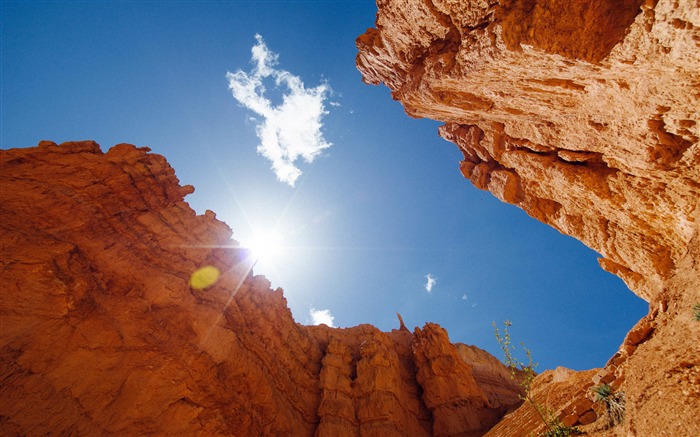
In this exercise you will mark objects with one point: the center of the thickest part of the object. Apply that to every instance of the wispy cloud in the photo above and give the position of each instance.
(321, 316)
(464, 297)
(290, 130)
(431, 280)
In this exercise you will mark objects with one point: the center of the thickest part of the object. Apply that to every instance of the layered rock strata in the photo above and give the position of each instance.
(585, 115)
(104, 332)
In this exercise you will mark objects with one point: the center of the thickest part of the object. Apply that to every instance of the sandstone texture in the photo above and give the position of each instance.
(104, 331)
(593, 129)
(584, 114)
(553, 388)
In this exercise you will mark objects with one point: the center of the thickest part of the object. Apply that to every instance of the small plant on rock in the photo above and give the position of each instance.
(558, 429)
(614, 403)
(553, 426)
(602, 392)
(696, 312)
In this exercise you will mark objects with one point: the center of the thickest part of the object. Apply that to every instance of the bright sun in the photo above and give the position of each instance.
(266, 247)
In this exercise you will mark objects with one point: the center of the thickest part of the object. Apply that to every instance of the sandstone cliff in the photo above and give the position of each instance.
(584, 114)
(104, 332)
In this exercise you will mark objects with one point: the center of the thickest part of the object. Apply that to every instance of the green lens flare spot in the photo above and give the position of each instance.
(204, 277)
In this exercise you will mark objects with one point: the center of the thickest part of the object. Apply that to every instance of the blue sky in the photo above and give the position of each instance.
(365, 223)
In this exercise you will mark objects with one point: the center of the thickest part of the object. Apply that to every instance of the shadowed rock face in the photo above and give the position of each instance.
(101, 333)
(579, 29)
(585, 115)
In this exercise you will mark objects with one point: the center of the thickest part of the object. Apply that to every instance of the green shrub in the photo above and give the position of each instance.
(614, 404)
(602, 392)
(553, 427)
(696, 311)
(558, 429)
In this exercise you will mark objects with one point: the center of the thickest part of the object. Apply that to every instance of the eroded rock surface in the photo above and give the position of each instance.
(585, 115)
(102, 333)
(590, 132)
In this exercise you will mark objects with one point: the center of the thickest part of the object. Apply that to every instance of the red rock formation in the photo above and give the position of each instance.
(553, 388)
(103, 334)
(490, 374)
(456, 404)
(584, 114)
(606, 152)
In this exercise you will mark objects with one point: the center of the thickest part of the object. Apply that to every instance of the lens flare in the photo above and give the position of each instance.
(204, 277)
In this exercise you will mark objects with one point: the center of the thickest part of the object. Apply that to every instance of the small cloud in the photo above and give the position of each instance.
(321, 317)
(336, 104)
(431, 280)
(290, 130)
(474, 305)
(464, 297)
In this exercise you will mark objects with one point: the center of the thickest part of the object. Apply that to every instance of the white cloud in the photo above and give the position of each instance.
(464, 297)
(431, 280)
(321, 316)
(290, 130)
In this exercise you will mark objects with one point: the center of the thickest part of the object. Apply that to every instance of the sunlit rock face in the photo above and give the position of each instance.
(121, 316)
(585, 115)
(591, 129)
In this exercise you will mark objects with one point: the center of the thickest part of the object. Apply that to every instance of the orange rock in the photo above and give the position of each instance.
(549, 104)
(582, 406)
(640, 333)
(552, 389)
(588, 417)
(104, 330)
(491, 376)
(570, 420)
(585, 115)
(603, 376)
(458, 405)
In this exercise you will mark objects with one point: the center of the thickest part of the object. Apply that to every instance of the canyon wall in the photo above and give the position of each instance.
(582, 113)
(106, 330)
(585, 115)
(592, 131)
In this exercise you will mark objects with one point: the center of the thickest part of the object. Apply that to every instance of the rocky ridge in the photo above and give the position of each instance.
(104, 333)
(585, 115)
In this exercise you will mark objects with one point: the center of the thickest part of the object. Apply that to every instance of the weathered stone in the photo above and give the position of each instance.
(588, 417)
(491, 376)
(570, 420)
(458, 405)
(585, 115)
(550, 95)
(581, 406)
(104, 330)
(617, 383)
(603, 376)
(640, 333)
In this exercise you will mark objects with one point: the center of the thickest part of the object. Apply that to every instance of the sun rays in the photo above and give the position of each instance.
(266, 246)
